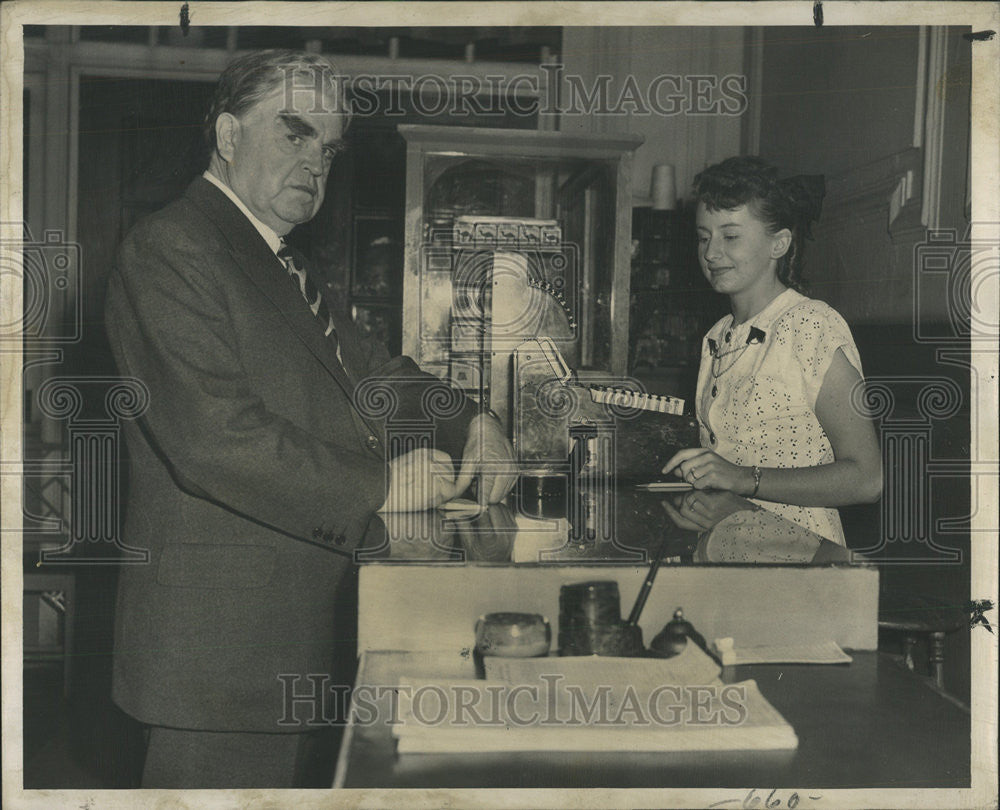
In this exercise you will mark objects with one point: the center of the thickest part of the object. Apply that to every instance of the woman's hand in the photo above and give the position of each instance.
(699, 511)
(704, 469)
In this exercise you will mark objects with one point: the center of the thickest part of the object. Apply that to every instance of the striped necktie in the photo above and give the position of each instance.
(314, 298)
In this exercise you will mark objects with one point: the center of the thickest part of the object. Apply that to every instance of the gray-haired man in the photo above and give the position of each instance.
(254, 472)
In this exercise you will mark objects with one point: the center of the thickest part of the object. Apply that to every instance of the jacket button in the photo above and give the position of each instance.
(317, 533)
(711, 438)
(371, 442)
(340, 540)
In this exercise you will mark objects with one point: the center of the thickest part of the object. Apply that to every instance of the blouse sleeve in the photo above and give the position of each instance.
(815, 332)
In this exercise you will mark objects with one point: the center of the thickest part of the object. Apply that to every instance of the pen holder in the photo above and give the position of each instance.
(590, 621)
(618, 639)
(586, 604)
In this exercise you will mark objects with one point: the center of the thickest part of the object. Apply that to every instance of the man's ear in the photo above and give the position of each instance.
(227, 135)
(782, 241)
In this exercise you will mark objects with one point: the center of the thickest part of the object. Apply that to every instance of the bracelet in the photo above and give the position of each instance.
(757, 473)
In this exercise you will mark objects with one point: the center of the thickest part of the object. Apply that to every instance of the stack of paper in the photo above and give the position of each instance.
(589, 704)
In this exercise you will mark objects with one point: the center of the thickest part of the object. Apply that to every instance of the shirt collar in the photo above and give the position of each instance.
(779, 304)
(763, 319)
(270, 236)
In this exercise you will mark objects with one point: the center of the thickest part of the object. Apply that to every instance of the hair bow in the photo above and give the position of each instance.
(805, 193)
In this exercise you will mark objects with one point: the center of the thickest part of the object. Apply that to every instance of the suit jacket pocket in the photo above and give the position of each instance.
(230, 566)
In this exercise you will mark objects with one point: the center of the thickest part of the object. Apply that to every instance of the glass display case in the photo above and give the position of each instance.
(512, 235)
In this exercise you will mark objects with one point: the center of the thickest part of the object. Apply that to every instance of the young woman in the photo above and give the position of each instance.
(777, 400)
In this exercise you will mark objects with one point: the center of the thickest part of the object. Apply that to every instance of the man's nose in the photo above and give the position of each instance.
(313, 161)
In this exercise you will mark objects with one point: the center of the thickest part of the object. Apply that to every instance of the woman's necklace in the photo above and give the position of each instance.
(717, 370)
(754, 337)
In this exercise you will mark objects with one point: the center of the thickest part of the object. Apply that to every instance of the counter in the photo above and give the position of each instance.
(867, 724)
(425, 579)
(543, 522)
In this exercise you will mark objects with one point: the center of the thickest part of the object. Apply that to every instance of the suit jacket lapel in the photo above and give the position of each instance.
(269, 275)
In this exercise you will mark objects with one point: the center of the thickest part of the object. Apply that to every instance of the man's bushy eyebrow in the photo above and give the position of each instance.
(303, 128)
(297, 125)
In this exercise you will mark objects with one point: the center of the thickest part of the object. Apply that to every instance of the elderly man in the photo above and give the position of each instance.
(255, 470)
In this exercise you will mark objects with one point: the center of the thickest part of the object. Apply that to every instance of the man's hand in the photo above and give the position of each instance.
(699, 511)
(490, 536)
(419, 480)
(489, 454)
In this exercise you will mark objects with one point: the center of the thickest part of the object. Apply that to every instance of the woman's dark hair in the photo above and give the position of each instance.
(793, 203)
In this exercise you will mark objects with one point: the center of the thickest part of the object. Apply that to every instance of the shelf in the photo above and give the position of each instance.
(524, 143)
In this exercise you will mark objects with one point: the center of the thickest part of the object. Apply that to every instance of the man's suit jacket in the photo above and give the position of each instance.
(253, 474)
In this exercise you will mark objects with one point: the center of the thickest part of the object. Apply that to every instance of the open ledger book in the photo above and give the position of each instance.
(589, 704)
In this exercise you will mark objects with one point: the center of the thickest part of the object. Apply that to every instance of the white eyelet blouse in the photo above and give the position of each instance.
(756, 403)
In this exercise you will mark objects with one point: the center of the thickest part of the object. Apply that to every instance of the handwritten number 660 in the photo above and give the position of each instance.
(752, 800)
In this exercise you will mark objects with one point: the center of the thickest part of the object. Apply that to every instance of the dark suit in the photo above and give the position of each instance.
(253, 474)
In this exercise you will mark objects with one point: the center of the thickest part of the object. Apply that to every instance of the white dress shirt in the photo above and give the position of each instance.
(272, 238)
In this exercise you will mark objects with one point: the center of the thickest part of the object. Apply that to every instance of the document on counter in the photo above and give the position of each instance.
(823, 652)
(589, 704)
(665, 486)
(474, 716)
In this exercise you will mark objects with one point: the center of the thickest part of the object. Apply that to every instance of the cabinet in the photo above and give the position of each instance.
(375, 241)
(510, 235)
(672, 305)
(376, 254)
(356, 238)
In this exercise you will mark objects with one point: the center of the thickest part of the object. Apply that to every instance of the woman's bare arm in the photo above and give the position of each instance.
(855, 475)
